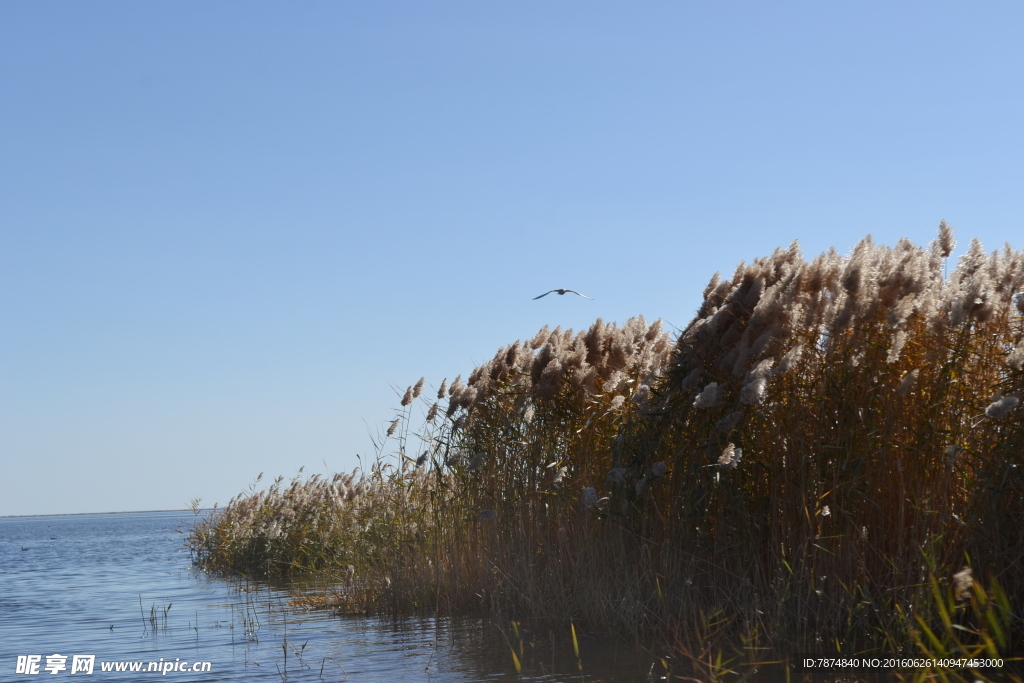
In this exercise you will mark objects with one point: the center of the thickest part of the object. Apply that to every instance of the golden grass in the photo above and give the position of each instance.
(821, 450)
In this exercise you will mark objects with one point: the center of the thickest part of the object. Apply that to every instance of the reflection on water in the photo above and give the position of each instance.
(120, 587)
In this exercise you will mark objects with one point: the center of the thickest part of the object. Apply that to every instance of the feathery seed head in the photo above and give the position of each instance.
(708, 398)
(418, 388)
(453, 406)
(963, 582)
(585, 378)
(754, 392)
(790, 360)
(1016, 357)
(393, 427)
(712, 284)
(730, 457)
(407, 399)
(899, 340)
(613, 382)
(541, 338)
(945, 241)
(551, 380)
(760, 370)
(443, 389)
(1001, 408)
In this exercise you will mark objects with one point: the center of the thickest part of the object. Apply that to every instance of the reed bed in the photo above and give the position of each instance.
(827, 458)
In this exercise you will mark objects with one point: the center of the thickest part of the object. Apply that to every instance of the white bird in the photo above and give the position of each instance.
(562, 291)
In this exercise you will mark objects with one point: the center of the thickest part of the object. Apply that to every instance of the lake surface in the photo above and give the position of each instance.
(120, 587)
(102, 584)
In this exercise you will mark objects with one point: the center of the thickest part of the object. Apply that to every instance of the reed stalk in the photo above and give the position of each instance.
(820, 450)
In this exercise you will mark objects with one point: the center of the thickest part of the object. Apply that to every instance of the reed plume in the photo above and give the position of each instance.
(816, 437)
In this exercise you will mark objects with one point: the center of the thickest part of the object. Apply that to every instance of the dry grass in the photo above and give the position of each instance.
(825, 445)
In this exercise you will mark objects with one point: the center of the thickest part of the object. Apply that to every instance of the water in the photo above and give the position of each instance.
(120, 587)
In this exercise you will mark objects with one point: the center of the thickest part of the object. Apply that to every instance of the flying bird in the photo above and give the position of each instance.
(562, 291)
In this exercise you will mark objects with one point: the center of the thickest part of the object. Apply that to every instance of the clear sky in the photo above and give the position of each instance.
(231, 231)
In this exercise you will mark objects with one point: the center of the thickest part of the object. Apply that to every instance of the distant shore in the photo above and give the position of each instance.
(79, 514)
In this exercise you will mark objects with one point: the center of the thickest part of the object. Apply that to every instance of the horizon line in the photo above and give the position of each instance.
(112, 512)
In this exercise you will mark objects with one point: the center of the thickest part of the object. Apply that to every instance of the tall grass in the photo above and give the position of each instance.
(496, 460)
(823, 445)
(876, 405)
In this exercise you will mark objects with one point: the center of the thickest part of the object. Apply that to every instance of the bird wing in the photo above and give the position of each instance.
(542, 295)
(578, 294)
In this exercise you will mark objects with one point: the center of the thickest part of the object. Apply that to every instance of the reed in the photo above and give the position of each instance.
(824, 444)
(875, 404)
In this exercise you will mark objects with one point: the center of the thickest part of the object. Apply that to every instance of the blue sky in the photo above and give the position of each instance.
(230, 231)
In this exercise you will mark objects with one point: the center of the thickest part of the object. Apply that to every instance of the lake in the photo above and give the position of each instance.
(120, 587)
